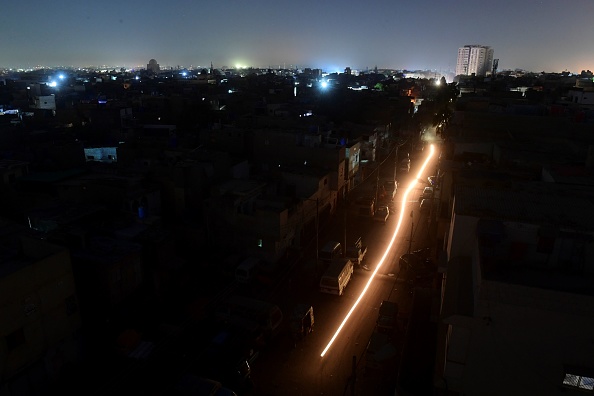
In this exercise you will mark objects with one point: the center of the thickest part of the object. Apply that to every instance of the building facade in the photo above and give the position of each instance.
(474, 59)
(517, 304)
(39, 316)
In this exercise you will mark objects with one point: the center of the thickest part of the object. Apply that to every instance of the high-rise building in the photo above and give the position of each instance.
(474, 59)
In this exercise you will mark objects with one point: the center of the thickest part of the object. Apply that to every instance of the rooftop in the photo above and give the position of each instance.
(533, 203)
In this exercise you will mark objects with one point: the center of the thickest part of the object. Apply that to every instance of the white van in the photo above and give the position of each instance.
(337, 276)
(330, 251)
(247, 270)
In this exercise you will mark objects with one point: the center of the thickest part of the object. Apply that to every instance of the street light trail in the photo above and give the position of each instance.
(383, 258)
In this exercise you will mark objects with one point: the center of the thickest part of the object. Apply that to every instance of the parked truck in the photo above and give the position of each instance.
(356, 252)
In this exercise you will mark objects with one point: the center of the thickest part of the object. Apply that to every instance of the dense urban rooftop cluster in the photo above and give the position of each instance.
(121, 189)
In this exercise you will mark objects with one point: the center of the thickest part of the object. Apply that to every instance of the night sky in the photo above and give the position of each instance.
(548, 35)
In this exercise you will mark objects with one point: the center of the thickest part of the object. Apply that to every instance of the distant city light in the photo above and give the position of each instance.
(324, 84)
(53, 84)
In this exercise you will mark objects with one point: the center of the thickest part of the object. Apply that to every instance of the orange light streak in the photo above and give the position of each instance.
(383, 258)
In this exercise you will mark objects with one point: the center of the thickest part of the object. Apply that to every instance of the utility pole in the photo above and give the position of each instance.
(396, 160)
(432, 214)
(317, 225)
(376, 190)
(354, 375)
(411, 232)
(344, 247)
(317, 231)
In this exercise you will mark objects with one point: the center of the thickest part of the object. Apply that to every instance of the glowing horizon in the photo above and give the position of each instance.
(383, 258)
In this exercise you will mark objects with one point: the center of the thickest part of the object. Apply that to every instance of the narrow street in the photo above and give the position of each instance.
(286, 368)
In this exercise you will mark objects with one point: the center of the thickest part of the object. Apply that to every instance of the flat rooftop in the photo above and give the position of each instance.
(534, 203)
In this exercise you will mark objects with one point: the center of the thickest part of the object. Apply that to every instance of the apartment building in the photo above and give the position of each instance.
(474, 60)
(39, 316)
(517, 309)
(241, 217)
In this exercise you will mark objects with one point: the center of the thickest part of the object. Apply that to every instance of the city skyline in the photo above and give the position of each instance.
(547, 36)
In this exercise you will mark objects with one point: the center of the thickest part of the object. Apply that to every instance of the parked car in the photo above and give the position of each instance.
(302, 321)
(388, 190)
(248, 269)
(387, 317)
(427, 193)
(425, 205)
(364, 206)
(356, 252)
(381, 214)
(228, 355)
(433, 181)
(381, 353)
(330, 251)
(404, 165)
(192, 385)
